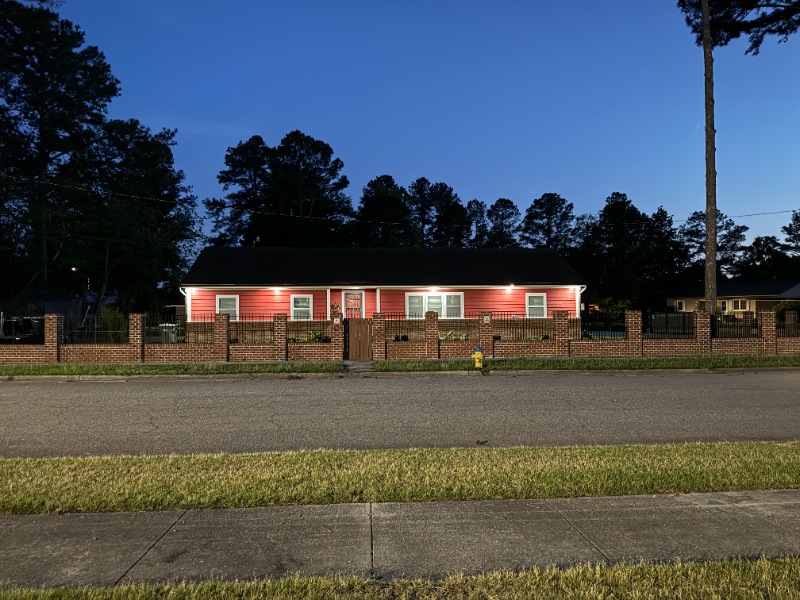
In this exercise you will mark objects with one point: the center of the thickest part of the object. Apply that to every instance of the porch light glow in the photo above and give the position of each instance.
(275, 289)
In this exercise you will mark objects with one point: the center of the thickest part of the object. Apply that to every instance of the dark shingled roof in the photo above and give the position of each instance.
(784, 289)
(380, 266)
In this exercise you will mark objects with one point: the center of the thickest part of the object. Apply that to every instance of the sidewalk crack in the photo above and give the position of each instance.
(575, 527)
(371, 546)
(153, 545)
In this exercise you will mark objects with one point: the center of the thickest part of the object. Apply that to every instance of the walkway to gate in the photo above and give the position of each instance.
(358, 339)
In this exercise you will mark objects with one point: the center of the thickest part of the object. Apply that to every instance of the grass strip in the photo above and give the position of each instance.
(145, 483)
(734, 580)
(174, 369)
(593, 364)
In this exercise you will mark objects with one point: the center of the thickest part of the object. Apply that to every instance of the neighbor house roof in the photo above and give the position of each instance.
(782, 289)
(380, 267)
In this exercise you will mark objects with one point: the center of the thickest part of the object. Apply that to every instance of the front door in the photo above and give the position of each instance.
(354, 305)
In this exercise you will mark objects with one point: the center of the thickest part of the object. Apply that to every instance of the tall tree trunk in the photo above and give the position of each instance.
(41, 195)
(711, 167)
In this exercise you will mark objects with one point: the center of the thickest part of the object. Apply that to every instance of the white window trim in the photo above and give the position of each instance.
(444, 302)
(310, 304)
(235, 318)
(680, 306)
(363, 302)
(739, 300)
(527, 305)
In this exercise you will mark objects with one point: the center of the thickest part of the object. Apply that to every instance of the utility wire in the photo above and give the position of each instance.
(258, 212)
(246, 210)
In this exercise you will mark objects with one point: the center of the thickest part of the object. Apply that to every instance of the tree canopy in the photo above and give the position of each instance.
(755, 19)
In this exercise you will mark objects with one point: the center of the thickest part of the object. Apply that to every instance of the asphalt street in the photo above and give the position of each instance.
(40, 419)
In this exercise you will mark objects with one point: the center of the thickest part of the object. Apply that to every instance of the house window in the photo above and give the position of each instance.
(700, 305)
(447, 306)
(302, 307)
(724, 306)
(228, 305)
(536, 306)
(679, 306)
(739, 304)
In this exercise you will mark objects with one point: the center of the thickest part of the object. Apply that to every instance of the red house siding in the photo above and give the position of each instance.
(490, 300)
(257, 302)
(268, 301)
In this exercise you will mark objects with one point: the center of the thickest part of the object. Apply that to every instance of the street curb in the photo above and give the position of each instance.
(398, 374)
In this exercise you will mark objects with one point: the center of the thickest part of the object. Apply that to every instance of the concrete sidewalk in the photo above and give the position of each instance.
(393, 539)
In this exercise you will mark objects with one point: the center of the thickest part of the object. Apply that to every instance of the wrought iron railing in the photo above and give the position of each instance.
(597, 325)
(401, 327)
(106, 328)
(177, 329)
(510, 327)
(460, 330)
(667, 326)
(252, 329)
(732, 326)
(21, 330)
(309, 331)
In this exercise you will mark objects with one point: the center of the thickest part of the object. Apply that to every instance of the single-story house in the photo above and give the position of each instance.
(454, 282)
(739, 296)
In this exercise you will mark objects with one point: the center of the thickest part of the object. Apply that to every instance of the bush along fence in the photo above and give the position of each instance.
(215, 338)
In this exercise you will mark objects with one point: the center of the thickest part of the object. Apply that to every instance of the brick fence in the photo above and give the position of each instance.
(631, 344)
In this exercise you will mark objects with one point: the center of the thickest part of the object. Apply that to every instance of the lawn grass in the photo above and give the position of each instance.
(172, 369)
(592, 364)
(734, 580)
(144, 483)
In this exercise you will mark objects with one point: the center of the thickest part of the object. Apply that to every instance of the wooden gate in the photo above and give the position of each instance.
(358, 339)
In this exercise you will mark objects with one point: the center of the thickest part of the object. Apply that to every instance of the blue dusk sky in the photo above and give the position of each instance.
(497, 99)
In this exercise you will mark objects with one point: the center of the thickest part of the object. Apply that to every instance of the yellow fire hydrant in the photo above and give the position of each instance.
(478, 356)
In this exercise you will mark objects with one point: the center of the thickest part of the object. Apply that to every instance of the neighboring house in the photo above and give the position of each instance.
(739, 296)
(453, 282)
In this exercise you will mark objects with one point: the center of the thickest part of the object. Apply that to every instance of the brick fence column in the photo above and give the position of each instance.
(136, 325)
(279, 334)
(53, 334)
(561, 321)
(221, 325)
(431, 334)
(337, 336)
(769, 336)
(486, 333)
(378, 336)
(633, 329)
(702, 331)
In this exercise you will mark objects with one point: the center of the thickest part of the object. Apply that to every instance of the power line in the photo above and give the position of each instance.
(246, 210)
(258, 212)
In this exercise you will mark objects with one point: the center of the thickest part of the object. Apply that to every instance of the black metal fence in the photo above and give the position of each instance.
(252, 329)
(309, 331)
(784, 328)
(596, 325)
(508, 327)
(731, 326)
(667, 326)
(21, 330)
(463, 330)
(400, 327)
(106, 328)
(176, 329)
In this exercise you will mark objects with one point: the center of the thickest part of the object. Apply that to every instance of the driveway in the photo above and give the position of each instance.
(39, 419)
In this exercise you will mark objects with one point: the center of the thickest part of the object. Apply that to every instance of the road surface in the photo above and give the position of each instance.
(207, 416)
